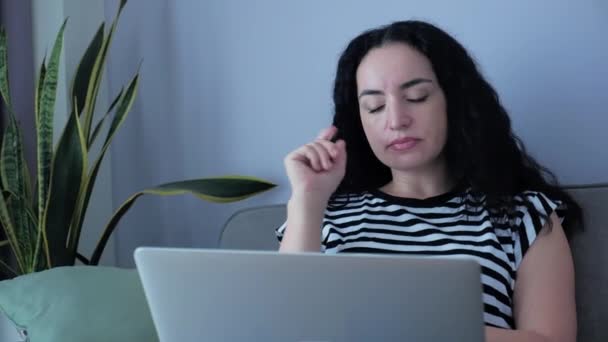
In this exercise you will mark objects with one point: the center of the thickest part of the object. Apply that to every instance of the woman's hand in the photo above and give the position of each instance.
(316, 169)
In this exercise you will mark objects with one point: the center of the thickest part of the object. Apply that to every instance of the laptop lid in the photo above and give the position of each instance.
(225, 295)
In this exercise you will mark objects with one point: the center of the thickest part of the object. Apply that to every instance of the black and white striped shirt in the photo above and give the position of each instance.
(456, 223)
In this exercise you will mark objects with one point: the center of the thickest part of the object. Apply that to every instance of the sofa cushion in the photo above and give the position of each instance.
(80, 303)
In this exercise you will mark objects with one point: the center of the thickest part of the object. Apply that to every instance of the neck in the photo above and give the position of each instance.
(424, 182)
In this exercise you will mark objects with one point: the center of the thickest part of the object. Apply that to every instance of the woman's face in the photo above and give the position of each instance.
(402, 107)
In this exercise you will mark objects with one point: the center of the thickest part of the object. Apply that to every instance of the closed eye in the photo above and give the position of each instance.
(418, 100)
(377, 109)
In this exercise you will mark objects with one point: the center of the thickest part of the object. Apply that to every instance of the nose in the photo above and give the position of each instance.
(398, 115)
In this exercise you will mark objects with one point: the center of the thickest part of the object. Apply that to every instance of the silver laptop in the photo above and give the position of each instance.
(224, 295)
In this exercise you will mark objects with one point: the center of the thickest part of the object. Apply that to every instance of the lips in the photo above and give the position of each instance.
(403, 144)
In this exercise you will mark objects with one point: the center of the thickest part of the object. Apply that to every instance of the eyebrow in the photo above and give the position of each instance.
(404, 86)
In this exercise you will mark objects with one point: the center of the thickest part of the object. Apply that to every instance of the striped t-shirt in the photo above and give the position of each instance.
(456, 223)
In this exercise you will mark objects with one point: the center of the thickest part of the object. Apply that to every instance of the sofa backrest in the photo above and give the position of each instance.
(254, 228)
(590, 253)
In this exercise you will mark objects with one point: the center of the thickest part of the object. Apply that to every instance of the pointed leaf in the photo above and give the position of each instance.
(44, 123)
(42, 248)
(217, 189)
(96, 74)
(12, 167)
(9, 230)
(103, 119)
(25, 229)
(39, 84)
(12, 161)
(4, 83)
(4, 243)
(44, 262)
(82, 80)
(124, 106)
(220, 190)
(67, 178)
(27, 181)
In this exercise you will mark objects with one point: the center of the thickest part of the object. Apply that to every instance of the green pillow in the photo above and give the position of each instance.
(80, 303)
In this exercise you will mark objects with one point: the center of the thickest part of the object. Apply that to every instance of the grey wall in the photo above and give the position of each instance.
(231, 86)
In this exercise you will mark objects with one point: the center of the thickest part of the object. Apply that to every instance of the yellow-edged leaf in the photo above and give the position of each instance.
(99, 125)
(216, 189)
(67, 179)
(9, 230)
(84, 72)
(124, 106)
(44, 124)
(96, 74)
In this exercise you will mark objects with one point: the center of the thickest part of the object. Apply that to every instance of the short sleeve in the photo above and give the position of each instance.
(534, 209)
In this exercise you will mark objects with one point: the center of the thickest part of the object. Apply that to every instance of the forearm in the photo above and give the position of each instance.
(505, 335)
(304, 219)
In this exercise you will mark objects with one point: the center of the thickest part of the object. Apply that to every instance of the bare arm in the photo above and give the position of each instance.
(544, 301)
(314, 171)
(304, 218)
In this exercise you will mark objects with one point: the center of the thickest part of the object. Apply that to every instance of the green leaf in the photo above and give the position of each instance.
(25, 229)
(11, 234)
(124, 106)
(67, 179)
(96, 74)
(4, 243)
(39, 84)
(224, 189)
(27, 180)
(9, 271)
(26, 234)
(84, 72)
(82, 259)
(103, 119)
(12, 161)
(4, 82)
(218, 189)
(12, 168)
(44, 124)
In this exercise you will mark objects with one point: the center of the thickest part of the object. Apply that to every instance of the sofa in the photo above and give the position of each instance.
(253, 229)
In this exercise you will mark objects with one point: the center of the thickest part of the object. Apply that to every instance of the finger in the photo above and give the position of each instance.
(329, 146)
(327, 133)
(340, 146)
(312, 157)
(323, 153)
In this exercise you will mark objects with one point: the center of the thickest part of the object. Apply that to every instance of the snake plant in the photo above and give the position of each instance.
(42, 218)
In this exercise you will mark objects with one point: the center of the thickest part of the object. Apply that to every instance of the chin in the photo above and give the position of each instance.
(409, 162)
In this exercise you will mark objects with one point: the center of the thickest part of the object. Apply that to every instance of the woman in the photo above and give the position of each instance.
(421, 159)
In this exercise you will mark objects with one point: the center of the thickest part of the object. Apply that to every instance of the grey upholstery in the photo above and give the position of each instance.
(254, 229)
(590, 252)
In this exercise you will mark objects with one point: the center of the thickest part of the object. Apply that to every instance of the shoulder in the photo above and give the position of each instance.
(534, 208)
(534, 212)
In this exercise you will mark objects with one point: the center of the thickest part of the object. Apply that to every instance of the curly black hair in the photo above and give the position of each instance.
(481, 149)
